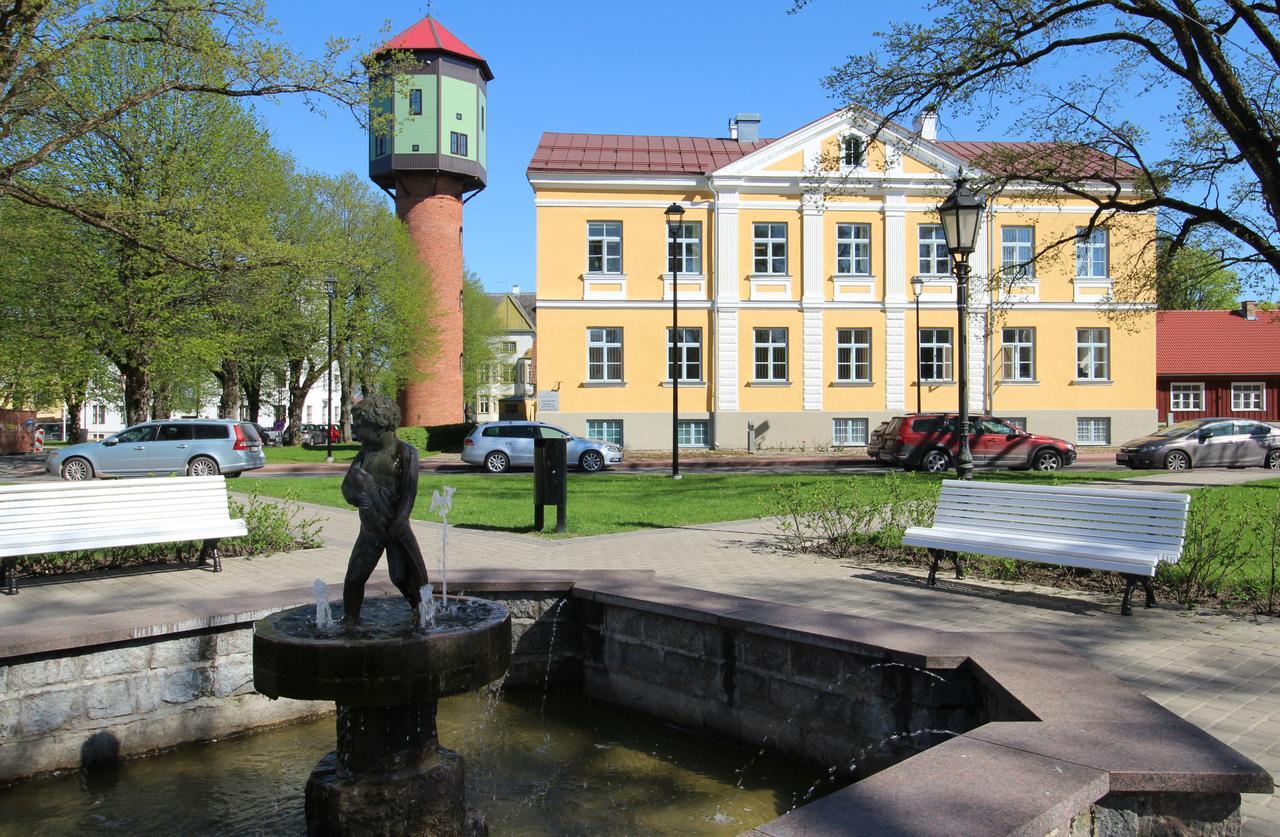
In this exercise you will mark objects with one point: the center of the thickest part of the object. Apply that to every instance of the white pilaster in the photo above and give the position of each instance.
(895, 248)
(979, 297)
(813, 387)
(727, 378)
(895, 370)
(727, 275)
(727, 297)
(814, 249)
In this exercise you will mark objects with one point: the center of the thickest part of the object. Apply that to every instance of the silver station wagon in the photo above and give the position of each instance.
(196, 447)
(1203, 443)
(500, 445)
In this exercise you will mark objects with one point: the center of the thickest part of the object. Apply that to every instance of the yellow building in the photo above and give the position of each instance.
(797, 263)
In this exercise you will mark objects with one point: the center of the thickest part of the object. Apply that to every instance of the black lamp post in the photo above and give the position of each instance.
(917, 285)
(675, 216)
(331, 290)
(960, 213)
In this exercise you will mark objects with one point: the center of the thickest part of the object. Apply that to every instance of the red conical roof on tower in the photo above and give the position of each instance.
(429, 34)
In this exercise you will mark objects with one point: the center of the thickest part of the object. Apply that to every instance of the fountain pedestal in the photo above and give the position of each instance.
(388, 775)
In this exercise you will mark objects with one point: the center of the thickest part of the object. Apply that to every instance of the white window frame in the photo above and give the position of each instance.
(774, 248)
(599, 344)
(605, 430)
(692, 433)
(1254, 387)
(853, 151)
(1016, 353)
(853, 249)
(602, 233)
(929, 340)
(1178, 403)
(1093, 253)
(1019, 422)
(687, 247)
(1017, 257)
(933, 251)
(1092, 439)
(845, 432)
(685, 348)
(1090, 354)
(853, 355)
(773, 349)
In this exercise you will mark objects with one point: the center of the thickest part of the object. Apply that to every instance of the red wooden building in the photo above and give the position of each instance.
(1218, 363)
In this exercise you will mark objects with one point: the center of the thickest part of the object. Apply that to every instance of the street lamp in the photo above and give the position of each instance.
(917, 285)
(331, 290)
(675, 215)
(960, 214)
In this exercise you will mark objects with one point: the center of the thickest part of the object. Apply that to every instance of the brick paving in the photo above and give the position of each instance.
(1218, 671)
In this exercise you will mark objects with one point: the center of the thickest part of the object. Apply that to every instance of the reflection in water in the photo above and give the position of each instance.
(580, 768)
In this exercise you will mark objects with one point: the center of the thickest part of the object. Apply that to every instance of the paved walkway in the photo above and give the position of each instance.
(1220, 672)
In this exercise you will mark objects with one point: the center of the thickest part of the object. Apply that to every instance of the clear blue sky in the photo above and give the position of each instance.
(627, 68)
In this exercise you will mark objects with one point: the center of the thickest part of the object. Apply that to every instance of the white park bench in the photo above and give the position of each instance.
(1128, 532)
(44, 517)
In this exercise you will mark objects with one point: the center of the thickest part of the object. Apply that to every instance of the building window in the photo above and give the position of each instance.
(604, 247)
(1019, 354)
(604, 355)
(771, 354)
(684, 254)
(415, 102)
(99, 414)
(482, 117)
(1248, 397)
(1017, 251)
(770, 247)
(935, 354)
(508, 347)
(691, 434)
(1093, 354)
(934, 259)
(379, 145)
(310, 414)
(1186, 397)
(457, 144)
(1019, 422)
(1093, 431)
(852, 151)
(848, 431)
(1091, 253)
(685, 356)
(853, 249)
(853, 355)
(605, 430)
(485, 406)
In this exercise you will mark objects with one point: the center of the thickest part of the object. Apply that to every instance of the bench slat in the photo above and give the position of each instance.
(1051, 528)
(72, 542)
(923, 537)
(93, 486)
(1098, 499)
(69, 515)
(1000, 512)
(1149, 500)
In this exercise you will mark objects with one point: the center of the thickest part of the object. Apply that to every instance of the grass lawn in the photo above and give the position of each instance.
(603, 503)
(289, 454)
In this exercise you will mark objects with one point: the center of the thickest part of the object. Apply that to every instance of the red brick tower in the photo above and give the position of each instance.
(428, 149)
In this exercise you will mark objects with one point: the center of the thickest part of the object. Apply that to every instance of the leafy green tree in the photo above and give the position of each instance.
(1217, 187)
(480, 326)
(1192, 279)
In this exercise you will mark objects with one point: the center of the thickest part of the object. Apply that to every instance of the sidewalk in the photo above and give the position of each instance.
(1219, 672)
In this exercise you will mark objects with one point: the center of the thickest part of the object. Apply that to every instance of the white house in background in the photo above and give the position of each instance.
(509, 385)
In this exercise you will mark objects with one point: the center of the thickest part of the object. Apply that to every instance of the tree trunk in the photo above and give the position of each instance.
(229, 400)
(74, 406)
(162, 402)
(345, 389)
(251, 387)
(137, 389)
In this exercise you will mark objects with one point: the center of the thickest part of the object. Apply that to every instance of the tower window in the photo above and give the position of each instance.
(482, 117)
(415, 102)
(379, 145)
(457, 144)
(458, 116)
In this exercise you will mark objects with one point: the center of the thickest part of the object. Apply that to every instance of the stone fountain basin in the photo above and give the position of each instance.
(381, 666)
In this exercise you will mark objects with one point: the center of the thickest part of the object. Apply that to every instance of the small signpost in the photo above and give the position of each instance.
(550, 480)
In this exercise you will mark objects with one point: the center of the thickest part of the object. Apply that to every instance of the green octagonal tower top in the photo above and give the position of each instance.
(429, 107)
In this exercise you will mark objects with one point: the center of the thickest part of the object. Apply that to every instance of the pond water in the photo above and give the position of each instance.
(569, 767)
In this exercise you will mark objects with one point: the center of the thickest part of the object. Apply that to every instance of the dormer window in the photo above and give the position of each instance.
(852, 151)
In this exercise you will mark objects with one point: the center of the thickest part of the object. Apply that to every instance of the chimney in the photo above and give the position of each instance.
(1248, 309)
(927, 125)
(745, 127)
(515, 290)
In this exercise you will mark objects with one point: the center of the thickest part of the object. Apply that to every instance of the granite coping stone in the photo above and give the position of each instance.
(961, 786)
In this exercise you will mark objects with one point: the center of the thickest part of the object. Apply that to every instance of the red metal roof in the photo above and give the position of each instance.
(429, 34)
(651, 155)
(1217, 343)
(999, 157)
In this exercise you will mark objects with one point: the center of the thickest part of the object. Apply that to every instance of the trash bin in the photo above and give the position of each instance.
(550, 479)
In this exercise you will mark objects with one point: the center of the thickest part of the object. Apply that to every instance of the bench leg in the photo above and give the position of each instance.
(10, 574)
(936, 556)
(210, 550)
(1150, 590)
(1126, 605)
(959, 562)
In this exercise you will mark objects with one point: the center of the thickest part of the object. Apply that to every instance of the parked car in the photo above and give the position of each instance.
(1199, 443)
(876, 441)
(499, 445)
(313, 435)
(269, 437)
(928, 442)
(197, 447)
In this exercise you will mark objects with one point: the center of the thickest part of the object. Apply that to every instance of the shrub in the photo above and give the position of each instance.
(416, 436)
(842, 522)
(1215, 550)
(446, 438)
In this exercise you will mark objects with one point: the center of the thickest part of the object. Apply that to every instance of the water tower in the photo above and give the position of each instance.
(428, 150)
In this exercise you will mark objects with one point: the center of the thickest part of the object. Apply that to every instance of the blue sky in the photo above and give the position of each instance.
(628, 68)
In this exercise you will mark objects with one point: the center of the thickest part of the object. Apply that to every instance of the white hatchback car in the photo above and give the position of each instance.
(500, 445)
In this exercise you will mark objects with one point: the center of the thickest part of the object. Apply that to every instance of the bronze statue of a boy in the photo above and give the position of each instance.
(382, 483)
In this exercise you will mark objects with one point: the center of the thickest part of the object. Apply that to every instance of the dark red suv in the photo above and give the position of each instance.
(929, 442)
